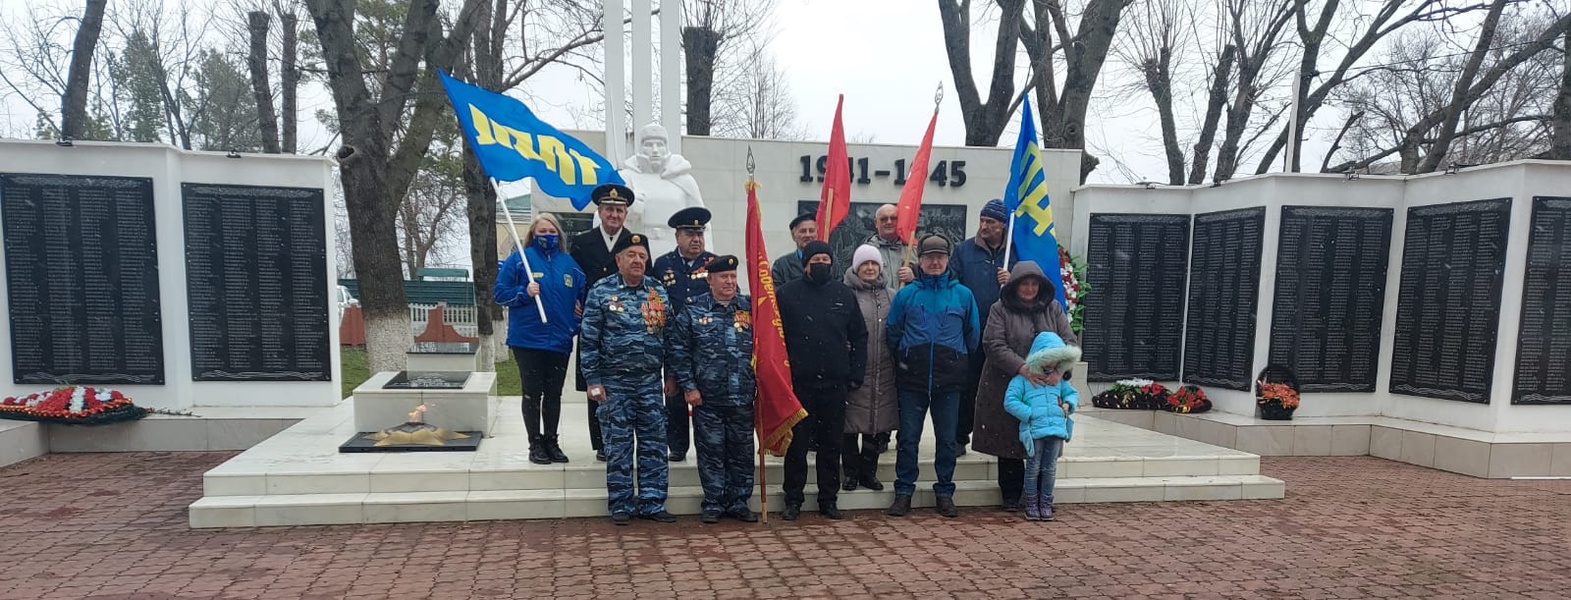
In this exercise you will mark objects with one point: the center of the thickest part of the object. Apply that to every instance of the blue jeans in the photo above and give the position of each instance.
(1042, 467)
(914, 407)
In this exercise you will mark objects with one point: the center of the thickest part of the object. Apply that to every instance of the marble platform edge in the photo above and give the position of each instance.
(340, 509)
(1469, 452)
(22, 440)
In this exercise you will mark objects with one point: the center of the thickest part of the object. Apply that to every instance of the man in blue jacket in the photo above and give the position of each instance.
(980, 265)
(932, 330)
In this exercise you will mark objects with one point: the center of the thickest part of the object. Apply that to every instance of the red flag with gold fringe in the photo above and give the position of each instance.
(776, 409)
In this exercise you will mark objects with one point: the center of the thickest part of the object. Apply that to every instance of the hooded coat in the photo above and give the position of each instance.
(874, 407)
(1042, 409)
(1012, 326)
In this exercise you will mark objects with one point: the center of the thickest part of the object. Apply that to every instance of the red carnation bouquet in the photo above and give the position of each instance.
(72, 405)
(1188, 399)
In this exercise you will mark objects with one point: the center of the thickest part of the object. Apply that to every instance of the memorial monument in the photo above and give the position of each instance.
(664, 184)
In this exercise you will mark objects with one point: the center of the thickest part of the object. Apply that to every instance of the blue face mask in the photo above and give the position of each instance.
(548, 241)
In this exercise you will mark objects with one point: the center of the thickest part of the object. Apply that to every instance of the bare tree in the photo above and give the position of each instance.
(1560, 149)
(1501, 93)
(1152, 36)
(755, 100)
(985, 120)
(1256, 30)
(73, 113)
(266, 119)
(289, 74)
(549, 33)
(385, 133)
(432, 211)
(1357, 31)
(709, 27)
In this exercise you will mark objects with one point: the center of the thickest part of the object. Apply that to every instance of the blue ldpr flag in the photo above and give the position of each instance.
(1031, 214)
(512, 143)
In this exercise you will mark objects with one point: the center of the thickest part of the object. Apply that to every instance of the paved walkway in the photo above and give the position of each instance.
(114, 526)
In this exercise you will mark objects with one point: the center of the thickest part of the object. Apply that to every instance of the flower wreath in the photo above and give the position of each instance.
(1073, 271)
(1188, 399)
(72, 405)
(1133, 394)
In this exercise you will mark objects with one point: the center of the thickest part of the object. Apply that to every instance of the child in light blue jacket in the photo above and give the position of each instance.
(1043, 410)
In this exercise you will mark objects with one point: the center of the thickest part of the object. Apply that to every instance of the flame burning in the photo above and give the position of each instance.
(414, 415)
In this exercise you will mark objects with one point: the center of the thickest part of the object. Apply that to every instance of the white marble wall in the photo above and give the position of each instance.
(1520, 181)
(169, 168)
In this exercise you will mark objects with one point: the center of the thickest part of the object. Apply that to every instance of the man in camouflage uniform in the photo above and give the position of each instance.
(682, 273)
(712, 350)
(623, 344)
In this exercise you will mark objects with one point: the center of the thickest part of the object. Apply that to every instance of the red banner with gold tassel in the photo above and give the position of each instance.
(776, 409)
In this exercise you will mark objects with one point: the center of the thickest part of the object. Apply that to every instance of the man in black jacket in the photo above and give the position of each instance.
(592, 251)
(826, 341)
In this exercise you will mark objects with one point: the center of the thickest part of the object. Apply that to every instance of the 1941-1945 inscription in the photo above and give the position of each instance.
(82, 275)
(256, 274)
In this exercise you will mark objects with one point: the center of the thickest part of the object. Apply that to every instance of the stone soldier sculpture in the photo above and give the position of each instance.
(712, 348)
(592, 251)
(623, 349)
(682, 273)
(664, 181)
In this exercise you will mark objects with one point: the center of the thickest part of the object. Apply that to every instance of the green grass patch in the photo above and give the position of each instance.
(357, 369)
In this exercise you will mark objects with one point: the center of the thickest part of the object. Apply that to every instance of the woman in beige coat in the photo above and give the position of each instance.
(871, 410)
(1025, 308)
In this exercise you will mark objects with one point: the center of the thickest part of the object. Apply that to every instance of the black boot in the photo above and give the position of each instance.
(554, 450)
(537, 451)
(867, 476)
(901, 507)
(831, 511)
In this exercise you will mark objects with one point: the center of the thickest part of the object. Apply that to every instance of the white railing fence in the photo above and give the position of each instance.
(462, 318)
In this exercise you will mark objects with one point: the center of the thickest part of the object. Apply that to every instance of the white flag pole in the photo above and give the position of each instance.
(1009, 239)
(518, 242)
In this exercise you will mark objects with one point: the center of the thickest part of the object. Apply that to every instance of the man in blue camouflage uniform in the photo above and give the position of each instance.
(682, 273)
(712, 353)
(623, 344)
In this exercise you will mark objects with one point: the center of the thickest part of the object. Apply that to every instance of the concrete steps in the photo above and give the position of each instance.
(298, 478)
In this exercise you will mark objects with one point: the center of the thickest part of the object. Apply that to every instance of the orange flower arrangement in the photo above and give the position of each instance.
(1277, 394)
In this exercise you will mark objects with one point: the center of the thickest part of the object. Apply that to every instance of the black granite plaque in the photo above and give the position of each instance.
(948, 220)
(1134, 316)
(1330, 293)
(256, 275)
(81, 259)
(1448, 305)
(1224, 291)
(1543, 356)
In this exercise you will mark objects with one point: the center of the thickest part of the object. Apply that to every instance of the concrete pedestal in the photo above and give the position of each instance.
(465, 409)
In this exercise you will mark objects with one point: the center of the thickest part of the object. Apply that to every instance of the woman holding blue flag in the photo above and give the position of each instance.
(551, 277)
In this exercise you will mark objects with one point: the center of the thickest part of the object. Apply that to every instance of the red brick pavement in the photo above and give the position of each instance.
(114, 526)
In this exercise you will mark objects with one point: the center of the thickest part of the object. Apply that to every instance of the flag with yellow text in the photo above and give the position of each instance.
(512, 143)
(1031, 213)
(776, 409)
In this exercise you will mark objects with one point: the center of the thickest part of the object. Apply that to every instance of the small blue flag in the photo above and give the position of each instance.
(512, 144)
(1031, 214)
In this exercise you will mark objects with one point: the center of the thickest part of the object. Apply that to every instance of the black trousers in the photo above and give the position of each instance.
(596, 438)
(825, 425)
(1011, 478)
(967, 418)
(678, 424)
(542, 374)
(859, 453)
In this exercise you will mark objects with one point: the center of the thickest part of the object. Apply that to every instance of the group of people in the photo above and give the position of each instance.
(901, 335)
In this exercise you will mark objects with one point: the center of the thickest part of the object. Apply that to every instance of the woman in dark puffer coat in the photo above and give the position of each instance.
(1025, 308)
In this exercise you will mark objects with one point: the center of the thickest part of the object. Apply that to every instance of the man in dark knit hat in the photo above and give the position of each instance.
(712, 354)
(980, 265)
(826, 342)
(789, 267)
